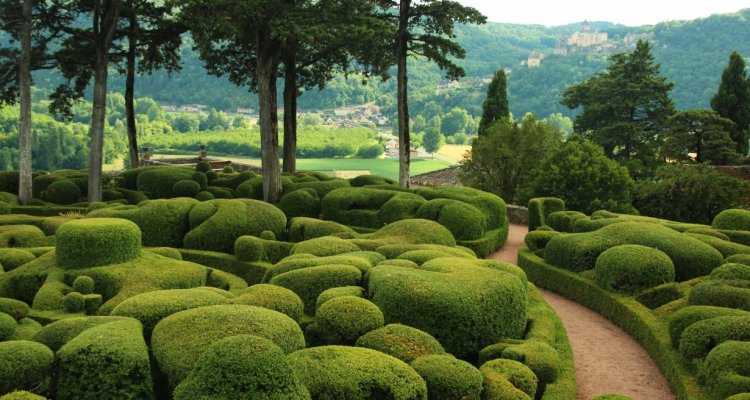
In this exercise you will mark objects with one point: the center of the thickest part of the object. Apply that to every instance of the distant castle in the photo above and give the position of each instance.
(586, 40)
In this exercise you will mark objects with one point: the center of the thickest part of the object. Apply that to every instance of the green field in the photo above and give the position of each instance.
(383, 167)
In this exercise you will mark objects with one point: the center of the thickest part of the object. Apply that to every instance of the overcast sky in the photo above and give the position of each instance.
(629, 12)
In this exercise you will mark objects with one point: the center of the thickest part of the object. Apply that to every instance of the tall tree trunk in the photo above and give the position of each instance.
(130, 92)
(268, 69)
(97, 125)
(290, 115)
(699, 149)
(404, 138)
(24, 87)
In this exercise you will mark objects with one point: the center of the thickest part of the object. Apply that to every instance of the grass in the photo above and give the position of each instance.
(454, 151)
(383, 167)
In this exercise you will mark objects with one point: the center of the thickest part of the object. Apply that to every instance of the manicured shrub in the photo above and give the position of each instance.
(422, 256)
(733, 219)
(730, 294)
(56, 334)
(162, 222)
(739, 258)
(301, 203)
(62, 192)
(732, 271)
(541, 358)
(540, 208)
(11, 259)
(251, 248)
(157, 183)
(300, 261)
(216, 224)
(179, 339)
(508, 379)
(578, 252)
(563, 221)
(233, 181)
(151, 307)
(414, 231)
(15, 308)
(93, 242)
(491, 205)
(332, 293)
(274, 298)
(356, 206)
(698, 339)
(221, 192)
(354, 373)
(393, 251)
(169, 252)
(724, 247)
(633, 268)
(367, 180)
(301, 229)
(657, 296)
(26, 329)
(84, 284)
(726, 371)
(465, 221)
(186, 188)
(4, 208)
(322, 187)
(325, 246)
(469, 306)
(73, 302)
(228, 169)
(203, 166)
(200, 178)
(741, 396)
(400, 207)
(108, 361)
(684, 317)
(242, 367)
(204, 196)
(448, 377)
(401, 341)
(21, 395)
(22, 236)
(309, 283)
(709, 232)
(25, 365)
(344, 319)
(7, 326)
(538, 239)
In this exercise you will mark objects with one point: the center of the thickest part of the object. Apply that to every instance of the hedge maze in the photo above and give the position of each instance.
(182, 284)
(682, 290)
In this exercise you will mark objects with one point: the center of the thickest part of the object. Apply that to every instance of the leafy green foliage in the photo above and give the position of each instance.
(732, 101)
(732, 219)
(401, 341)
(504, 378)
(93, 242)
(272, 297)
(495, 105)
(632, 268)
(704, 133)
(343, 319)
(448, 377)
(725, 367)
(25, 365)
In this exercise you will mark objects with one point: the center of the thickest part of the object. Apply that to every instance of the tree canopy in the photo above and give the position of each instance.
(495, 106)
(732, 101)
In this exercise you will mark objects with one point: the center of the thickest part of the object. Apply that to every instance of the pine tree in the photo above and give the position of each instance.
(732, 101)
(495, 106)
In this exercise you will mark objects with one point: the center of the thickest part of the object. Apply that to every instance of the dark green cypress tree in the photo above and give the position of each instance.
(495, 106)
(732, 101)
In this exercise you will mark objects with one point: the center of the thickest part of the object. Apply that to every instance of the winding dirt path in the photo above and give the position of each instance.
(607, 359)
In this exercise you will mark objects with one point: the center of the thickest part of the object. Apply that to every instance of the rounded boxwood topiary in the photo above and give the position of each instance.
(273, 297)
(204, 196)
(63, 191)
(355, 373)
(309, 283)
(344, 319)
(186, 188)
(448, 377)
(11, 259)
(22, 395)
(740, 396)
(732, 271)
(726, 369)
(698, 339)
(301, 203)
(200, 178)
(15, 308)
(729, 294)
(733, 220)
(179, 339)
(25, 365)
(242, 367)
(157, 183)
(203, 166)
(73, 302)
(93, 242)
(401, 341)
(739, 258)
(325, 246)
(465, 221)
(84, 284)
(632, 268)
(415, 231)
(332, 293)
(7, 326)
(508, 379)
(538, 239)
(684, 317)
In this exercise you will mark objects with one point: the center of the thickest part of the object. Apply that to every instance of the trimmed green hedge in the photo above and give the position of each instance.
(368, 180)
(63, 192)
(468, 307)
(93, 242)
(25, 365)
(401, 341)
(684, 317)
(251, 248)
(734, 219)
(7, 326)
(730, 294)
(448, 377)
(698, 339)
(309, 283)
(360, 206)
(465, 221)
(732, 271)
(150, 308)
(21, 236)
(186, 188)
(564, 221)
(324, 246)
(579, 251)
(56, 334)
(157, 182)
(508, 379)
(242, 367)
(633, 268)
(537, 240)
(332, 293)
(11, 259)
(15, 308)
(21, 395)
(726, 248)
(302, 228)
(109, 361)
(274, 298)
(739, 258)
(726, 371)
(179, 339)
(540, 208)
(342, 320)
(354, 373)
(491, 205)
(216, 224)
(251, 272)
(301, 203)
(300, 261)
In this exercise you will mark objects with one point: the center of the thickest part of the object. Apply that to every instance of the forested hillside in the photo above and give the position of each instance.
(692, 55)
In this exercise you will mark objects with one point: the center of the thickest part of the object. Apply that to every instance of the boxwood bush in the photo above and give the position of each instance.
(186, 188)
(448, 377)
(733, 219)
(302, 228)
(22, 236)
(633, 268)
(508, 379)
(684, 317)
(332, 293)
(355, 373)
(721, 293)
(63, 191)
(242, 367)
(93, 242)
(7, 326)
(727, 369)
(401, 341)
(698, 339)
(344, 319)
(274, 298)
(25, 365)
(540, 208)
(324, 246)
(158, 182)
(465, 221)
(301, 203)
(309, 283)
(15, 308)
(11, 259)
(732, 271)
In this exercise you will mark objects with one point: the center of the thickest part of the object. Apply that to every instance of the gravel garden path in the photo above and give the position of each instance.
(607, 359)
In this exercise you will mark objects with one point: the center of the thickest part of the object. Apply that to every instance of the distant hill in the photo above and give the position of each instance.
(692, 54)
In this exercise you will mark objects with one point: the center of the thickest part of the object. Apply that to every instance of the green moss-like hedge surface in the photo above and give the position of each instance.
(697, 329)
(183, 285)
